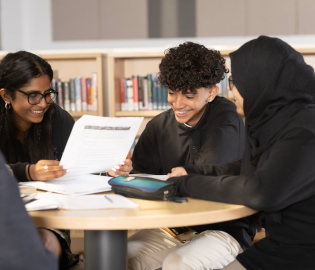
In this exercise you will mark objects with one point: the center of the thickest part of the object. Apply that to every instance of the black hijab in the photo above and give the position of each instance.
(275, 83)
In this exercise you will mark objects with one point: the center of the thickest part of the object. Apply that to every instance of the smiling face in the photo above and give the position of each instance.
(25, 114)
(189, 107)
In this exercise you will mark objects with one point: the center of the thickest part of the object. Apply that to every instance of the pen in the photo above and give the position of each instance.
(109, 199)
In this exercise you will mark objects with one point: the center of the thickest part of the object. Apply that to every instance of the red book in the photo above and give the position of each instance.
(88, 93)
(83, 94)
(135, 93)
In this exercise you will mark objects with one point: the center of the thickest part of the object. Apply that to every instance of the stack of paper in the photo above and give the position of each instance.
(45, 201)
(81, 185)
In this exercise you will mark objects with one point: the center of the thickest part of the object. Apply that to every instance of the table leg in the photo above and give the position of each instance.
(105, 250)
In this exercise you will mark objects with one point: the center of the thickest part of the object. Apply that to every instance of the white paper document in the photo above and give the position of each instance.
(97, 144)
(80, 185)
(45, 201)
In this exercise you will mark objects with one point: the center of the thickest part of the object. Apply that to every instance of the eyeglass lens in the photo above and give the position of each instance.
(36, 98)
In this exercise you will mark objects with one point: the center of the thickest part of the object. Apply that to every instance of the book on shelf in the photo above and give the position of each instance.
(77, 94)
(142, 93)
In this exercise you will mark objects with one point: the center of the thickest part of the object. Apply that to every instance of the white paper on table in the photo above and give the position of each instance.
(97, 144)
(79, 185)
(45, 201)
(154, 176)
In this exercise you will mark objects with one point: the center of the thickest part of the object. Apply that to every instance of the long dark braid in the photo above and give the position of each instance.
(17, 70)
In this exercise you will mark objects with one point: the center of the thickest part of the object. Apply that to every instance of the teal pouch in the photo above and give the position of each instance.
(145, 188)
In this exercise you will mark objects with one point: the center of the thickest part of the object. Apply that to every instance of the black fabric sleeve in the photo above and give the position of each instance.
(224, 141)
(19, 171)
(233, 168)
(278, 182)
(145, 158)
(20, 244)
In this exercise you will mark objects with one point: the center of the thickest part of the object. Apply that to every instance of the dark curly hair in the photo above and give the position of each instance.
(191, 66)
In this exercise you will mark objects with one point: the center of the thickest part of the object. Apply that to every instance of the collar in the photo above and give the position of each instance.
(183, 129)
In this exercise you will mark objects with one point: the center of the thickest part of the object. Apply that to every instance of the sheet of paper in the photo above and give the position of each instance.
(158, 177)
(43, 201)
(94, 202)
(97, 144)
(46, 201)
(80, 185)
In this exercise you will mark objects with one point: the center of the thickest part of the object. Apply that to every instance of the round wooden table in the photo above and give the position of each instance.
(105, 231)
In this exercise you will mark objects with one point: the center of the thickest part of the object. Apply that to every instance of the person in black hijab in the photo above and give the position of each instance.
(20, 244)
(277, 174)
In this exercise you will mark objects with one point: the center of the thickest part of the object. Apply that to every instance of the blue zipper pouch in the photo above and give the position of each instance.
(145, 188)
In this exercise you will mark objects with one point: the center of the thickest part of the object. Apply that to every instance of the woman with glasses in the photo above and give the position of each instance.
(34, 131)
(276, 175)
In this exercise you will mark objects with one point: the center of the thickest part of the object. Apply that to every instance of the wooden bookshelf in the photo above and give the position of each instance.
(82, 65)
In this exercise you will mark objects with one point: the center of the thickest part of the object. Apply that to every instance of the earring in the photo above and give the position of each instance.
(210, 99)
(7, 106)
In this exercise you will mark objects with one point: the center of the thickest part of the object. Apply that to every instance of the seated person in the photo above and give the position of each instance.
(199, 128)
(21, 246)
(275, 87)
(34, 131)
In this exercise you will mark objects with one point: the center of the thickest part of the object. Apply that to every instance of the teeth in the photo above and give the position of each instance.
(37, 111)
(181, 112)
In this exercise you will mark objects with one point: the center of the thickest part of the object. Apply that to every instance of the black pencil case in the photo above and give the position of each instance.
(145, 188)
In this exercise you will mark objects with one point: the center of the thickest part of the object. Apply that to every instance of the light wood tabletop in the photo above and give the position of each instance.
(150, 214)
(105, 231)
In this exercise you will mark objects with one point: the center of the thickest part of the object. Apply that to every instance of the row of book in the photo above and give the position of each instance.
(78, 94)
(143, 93)
(146, 93)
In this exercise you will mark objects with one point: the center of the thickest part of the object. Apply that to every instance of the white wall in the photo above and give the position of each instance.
(26, 24)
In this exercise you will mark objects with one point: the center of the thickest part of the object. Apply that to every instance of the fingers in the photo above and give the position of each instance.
(50, 168)
(52, 175)
(112, 173)
(48, 162)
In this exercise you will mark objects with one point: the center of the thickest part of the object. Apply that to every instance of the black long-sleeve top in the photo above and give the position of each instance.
(62, 126)
(283, 181)
(218, 137)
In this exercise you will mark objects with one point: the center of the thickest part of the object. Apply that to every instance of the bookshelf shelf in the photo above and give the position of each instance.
(138, 113)
(79, 114)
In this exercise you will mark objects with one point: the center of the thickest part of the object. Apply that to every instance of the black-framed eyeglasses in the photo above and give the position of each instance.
(35, 98)
(231, 84)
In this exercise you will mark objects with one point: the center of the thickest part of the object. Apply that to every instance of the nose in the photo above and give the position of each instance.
(42, 103)
(176, 100)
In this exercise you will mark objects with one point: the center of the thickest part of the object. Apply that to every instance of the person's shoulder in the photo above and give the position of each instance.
(162, 118)
(223, 104)
(61, 116)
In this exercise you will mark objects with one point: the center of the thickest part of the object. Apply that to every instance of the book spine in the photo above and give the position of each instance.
(78, 103)
(145, 94)
(130, 95)
(122, 94)
(66, 96)
(72, 95)
(83, 94)
(150, 105)
(135, 93)
(154, 93)
(160, 103)
(94, 87)
(140, 91)
(88, 94)
(60, 94)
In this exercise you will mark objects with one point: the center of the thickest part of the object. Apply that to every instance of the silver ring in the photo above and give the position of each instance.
(46, 168)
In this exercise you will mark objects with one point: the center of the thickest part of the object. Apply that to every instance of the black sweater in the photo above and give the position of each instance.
(218, 137)
(62, 126)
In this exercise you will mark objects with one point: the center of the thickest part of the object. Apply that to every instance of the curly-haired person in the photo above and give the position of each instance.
(200, 128)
